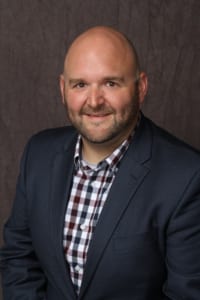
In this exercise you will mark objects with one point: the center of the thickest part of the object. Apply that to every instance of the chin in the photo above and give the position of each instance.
(101, 139)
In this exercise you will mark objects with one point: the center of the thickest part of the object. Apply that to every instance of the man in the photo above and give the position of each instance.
(108, 209)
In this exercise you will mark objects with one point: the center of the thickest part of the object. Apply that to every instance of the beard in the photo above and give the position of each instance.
(99, 132)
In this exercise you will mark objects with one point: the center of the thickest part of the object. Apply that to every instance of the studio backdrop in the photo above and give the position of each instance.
(34, 36)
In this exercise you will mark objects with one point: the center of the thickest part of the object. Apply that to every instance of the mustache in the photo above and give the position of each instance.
(96, 111)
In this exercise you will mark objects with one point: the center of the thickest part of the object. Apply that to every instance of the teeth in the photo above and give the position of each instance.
(97, 116)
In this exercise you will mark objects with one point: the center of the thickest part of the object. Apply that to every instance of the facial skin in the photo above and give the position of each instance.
(102, 90)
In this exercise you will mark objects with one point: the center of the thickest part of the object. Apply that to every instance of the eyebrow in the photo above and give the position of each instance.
(114, 78)
(75, 80)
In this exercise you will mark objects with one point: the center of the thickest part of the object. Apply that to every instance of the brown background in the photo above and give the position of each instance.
(34, 36)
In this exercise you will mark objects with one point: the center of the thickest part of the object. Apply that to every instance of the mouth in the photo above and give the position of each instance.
(97, 116)
(97, 119)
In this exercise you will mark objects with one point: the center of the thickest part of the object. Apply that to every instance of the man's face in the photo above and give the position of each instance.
(100, 92)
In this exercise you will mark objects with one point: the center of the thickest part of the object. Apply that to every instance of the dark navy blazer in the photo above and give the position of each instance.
(146, 245)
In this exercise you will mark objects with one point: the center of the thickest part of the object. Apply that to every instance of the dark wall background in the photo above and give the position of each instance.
(34, 36)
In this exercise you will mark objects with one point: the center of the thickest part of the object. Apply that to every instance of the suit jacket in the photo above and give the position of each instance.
(146, 245)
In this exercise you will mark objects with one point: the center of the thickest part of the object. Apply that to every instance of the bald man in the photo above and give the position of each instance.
(108, 208)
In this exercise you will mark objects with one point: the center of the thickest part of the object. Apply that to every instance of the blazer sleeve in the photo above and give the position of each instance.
(183, 245)
(22, 276)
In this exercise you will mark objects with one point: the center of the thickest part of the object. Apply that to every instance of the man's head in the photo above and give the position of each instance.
(102, 86)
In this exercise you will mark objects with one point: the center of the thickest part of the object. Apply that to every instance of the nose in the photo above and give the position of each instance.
(95, 96)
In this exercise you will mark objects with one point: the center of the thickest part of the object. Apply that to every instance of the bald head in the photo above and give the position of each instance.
(102, 89)
(104, 41)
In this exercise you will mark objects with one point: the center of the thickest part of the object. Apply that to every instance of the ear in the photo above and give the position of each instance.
(142, 86)
(62, 88)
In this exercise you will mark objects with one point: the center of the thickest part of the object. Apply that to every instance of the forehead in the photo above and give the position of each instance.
(100, 51)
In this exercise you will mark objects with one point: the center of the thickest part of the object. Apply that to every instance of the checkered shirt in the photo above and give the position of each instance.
(90, 188)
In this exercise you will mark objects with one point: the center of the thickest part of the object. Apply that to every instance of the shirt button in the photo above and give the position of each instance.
(77, 268)
(95, 184)
(83, 226)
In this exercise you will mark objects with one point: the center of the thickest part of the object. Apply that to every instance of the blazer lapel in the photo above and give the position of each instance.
(62, 172)
(132, 171)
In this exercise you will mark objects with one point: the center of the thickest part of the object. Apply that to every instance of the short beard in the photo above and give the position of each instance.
(117, 127)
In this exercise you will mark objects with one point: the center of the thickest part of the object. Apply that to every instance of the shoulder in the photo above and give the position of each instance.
(52, 134)
(168, 148)
(43, 146)
(53, 138)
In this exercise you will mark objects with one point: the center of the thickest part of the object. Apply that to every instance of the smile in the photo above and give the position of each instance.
(97, 116)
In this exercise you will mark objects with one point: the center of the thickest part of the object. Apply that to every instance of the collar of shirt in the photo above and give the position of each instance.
(110, 161)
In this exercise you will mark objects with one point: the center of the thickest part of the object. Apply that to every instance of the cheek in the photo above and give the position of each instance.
(73, 102)
(122, 103)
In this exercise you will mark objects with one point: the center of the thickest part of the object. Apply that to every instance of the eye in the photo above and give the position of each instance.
(79, 85)
(111, 83)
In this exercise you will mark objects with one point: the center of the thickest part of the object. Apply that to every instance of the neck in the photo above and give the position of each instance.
(96, 152)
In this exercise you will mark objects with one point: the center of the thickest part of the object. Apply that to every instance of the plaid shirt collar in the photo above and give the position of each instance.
(110, 161)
